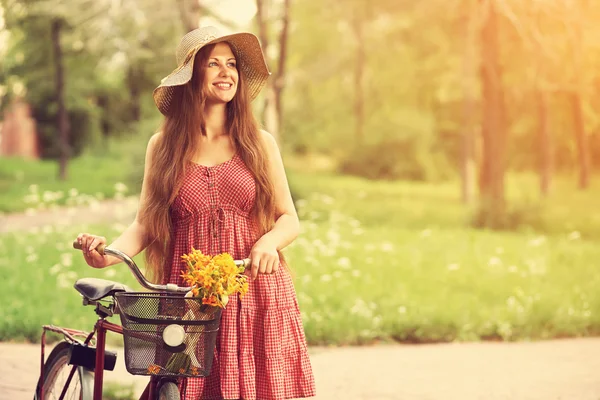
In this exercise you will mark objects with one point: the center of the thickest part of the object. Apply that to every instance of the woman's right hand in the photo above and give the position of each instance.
(89, 244)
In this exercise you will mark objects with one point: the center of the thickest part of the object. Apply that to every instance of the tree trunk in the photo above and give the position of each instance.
(279, 83)
(62, 117)
(467, 165)
(359, 68)
(189, 11)
(272, 111)
(544, 142)
(133, 79)
(575, 97)
(261, 19)
(581, 140)
(493, 122)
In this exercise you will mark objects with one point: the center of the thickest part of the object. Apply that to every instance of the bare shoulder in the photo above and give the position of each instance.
(153, 140)
(269, 142)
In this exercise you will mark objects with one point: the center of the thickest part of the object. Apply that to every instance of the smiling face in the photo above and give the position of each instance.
(221, 76)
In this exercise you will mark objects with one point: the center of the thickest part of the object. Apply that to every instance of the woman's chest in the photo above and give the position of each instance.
(203, 188)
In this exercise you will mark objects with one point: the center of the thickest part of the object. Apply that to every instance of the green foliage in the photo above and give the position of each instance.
(393, 159)
(517, 216)
(374, 261)
(34, 184)
(117, 391)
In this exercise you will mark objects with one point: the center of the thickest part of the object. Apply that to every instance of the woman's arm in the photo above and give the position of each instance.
(264, 256)
(133, 239)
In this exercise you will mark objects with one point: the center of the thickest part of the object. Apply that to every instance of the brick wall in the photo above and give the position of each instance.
(18, 136)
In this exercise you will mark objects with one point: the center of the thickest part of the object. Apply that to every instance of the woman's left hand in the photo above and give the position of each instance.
(264, 259)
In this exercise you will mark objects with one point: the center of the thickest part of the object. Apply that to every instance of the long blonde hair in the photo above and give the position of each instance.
(172, 154)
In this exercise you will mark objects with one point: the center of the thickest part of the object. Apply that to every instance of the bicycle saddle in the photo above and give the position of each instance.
(96, 289)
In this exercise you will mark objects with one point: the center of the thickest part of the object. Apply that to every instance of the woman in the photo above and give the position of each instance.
(215, 182)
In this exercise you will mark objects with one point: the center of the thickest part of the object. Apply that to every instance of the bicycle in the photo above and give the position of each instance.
(156, 327)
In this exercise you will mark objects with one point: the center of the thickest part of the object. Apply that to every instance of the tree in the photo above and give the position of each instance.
(469, 65)
(272, 113)
(493, 119)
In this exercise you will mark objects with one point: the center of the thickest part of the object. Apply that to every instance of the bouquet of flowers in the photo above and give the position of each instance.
(212, 279)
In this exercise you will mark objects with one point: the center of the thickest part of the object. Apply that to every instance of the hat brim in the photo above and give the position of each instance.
(250, 60)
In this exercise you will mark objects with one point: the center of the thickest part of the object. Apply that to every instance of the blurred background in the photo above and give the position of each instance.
(442, 156)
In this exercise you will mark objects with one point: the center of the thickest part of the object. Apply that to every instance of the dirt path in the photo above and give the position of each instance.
(550, 370)
(115, 211)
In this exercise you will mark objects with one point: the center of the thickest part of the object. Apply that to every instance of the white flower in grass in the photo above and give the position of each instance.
(62, 281)
(344, 262)
(494, 262)
(33, 188)
(302, 203)
(55, 269)
(538, 241)
(327, 199)
(513, 269)
(358, 231)
(499, 250)
(387, 247)
(48, 196)
(110, 272)
(304, 298)
(120, 187)
(73, 192)
(575, 235)
(401, 310)
(325, 278)
(66, 259)
(346, 245)
(361, 308)
(316, 317)
(337, 274)
(354, 223)
(333, 236)
(356, 273)
(453, 267)
(369, 260)
(306, 278)
(425, 233)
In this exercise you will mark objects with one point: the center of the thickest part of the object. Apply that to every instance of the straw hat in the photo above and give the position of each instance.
(245, 46)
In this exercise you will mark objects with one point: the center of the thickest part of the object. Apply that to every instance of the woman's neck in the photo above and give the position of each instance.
(214, 118)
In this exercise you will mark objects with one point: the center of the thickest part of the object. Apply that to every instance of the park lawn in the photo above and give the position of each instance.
(375, 261)
(27, 184)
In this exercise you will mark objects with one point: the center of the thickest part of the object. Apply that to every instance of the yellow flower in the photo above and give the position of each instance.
(215, 278)
(153, 369)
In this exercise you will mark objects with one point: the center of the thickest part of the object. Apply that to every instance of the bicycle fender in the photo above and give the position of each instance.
(87, 383)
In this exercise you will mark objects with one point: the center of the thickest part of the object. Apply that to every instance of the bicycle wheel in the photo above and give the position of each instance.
(56, 373)
(169, 391)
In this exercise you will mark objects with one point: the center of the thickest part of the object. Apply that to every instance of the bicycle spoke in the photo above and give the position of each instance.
(55, 383)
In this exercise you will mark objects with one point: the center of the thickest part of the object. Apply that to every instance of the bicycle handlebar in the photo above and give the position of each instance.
(169, 287)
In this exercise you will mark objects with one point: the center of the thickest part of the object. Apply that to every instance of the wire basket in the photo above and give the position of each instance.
(167, 335)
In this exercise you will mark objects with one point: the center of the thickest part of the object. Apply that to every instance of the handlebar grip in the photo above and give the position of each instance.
(99, 249)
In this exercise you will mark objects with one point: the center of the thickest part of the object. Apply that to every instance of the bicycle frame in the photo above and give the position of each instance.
(99, 334)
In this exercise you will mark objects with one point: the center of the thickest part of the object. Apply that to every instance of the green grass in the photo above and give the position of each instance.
(34, 184)
(375, 261)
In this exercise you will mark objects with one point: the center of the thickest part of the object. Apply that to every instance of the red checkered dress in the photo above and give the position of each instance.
(261, 350)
